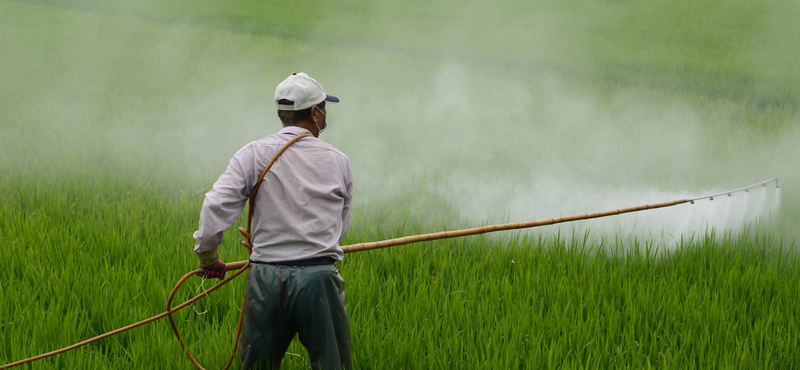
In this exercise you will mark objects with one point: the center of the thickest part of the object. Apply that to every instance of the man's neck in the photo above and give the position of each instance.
(308, 125)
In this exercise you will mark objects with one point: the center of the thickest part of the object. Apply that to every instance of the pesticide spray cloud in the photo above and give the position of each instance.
(498, 115)
(548, 152)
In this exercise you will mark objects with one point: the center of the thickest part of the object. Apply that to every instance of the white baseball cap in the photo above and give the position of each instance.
(303, 90)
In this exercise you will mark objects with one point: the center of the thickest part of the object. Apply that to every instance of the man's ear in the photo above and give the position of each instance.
(314, 114)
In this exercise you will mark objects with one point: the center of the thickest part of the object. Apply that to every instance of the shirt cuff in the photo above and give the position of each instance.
(208, 258)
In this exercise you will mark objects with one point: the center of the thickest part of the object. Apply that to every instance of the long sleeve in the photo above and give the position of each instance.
(221, 207)
(347, 202)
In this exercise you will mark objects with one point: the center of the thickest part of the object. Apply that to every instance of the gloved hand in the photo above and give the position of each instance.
(216, 270)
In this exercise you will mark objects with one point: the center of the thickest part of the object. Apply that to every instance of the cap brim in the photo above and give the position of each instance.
(331, 99)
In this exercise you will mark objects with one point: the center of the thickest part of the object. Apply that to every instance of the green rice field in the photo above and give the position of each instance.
(117, 116)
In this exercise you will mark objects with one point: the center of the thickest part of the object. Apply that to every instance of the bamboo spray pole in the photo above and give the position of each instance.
(485, 229)
(522, 225)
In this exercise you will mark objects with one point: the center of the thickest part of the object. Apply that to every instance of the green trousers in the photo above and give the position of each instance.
(286, 300)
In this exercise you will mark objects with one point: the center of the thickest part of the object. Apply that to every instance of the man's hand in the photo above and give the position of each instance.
(216, 270)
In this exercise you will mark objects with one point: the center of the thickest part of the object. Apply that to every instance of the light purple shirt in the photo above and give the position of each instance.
(302, 208)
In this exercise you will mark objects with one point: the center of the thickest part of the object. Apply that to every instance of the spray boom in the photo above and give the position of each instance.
(744, 189)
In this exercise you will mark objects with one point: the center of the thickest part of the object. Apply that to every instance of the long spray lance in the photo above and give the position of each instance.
(525, 225)
(242, 266)
(485, 229)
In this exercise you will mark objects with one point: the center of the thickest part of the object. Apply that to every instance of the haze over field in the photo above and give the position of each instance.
(514, 115)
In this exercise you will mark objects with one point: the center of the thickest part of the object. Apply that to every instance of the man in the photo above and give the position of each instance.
(302, 210)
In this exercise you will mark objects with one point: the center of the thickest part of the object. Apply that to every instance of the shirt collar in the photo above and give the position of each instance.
(294, 130)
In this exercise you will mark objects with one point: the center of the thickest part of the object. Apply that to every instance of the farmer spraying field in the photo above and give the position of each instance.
(298, 220)
(472, 117)
(293, 233)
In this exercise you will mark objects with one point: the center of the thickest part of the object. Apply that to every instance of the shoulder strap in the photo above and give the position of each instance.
(248, 243)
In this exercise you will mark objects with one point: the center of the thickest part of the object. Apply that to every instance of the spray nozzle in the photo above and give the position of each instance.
(730, 193)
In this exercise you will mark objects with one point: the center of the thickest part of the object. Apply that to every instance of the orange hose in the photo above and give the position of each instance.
(134, 325)
(249, 245)
(175, 326)
(239, 266)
